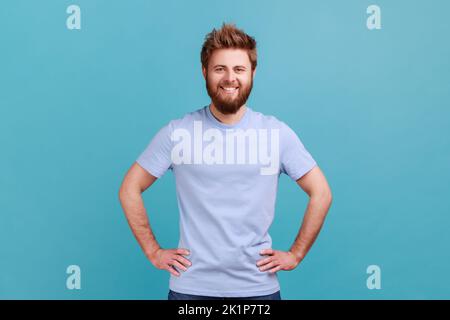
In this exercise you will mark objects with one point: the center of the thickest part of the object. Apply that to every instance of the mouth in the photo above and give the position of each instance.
(229, 90)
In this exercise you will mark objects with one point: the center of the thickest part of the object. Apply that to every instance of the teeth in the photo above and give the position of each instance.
(229, 89)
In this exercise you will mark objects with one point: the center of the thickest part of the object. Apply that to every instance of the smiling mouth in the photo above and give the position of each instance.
(229, 90)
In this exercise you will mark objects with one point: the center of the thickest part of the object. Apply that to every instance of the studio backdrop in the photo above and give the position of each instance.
(85, 85)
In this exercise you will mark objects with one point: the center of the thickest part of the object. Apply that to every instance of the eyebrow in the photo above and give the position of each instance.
(221, 65)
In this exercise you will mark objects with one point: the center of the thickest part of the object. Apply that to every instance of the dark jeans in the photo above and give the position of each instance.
(182, 296)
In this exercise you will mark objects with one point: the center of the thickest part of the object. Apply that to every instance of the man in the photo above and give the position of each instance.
(226, 159)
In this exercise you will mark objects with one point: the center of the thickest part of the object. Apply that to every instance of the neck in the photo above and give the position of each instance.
(227, 118)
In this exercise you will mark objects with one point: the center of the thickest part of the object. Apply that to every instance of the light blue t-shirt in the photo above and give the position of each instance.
(226, 182)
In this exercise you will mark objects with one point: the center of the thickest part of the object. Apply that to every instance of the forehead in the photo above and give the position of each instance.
(229, 57)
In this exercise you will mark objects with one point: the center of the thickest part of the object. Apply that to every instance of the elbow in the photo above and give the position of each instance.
(328, 196)
(123, 192)
(128, 191)
(324, 196)
(330, 199)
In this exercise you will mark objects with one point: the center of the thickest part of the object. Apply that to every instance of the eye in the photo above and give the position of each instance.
(219, 69)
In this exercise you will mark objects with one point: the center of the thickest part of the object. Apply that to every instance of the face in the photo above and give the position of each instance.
(229, 79)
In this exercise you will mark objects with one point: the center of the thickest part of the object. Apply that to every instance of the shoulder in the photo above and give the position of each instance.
(186, 120)
(268, 121)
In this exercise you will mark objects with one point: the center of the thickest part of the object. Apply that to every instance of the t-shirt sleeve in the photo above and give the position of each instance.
(156, 158)
(295, 160)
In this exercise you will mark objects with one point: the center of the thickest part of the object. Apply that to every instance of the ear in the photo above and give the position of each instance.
(204, 72)
(254, 72)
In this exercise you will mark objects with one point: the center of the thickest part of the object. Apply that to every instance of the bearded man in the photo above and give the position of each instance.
(226, 207)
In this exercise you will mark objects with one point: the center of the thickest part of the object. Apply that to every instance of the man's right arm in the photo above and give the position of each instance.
(136, 181)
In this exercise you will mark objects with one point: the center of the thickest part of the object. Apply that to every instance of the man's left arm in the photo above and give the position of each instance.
(316, 186)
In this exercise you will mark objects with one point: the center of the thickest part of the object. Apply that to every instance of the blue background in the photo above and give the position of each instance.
(78, 106)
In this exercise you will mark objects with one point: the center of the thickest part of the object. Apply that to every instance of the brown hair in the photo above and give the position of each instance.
(228, 37)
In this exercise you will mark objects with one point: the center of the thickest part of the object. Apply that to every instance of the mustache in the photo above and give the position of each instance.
(229, 84)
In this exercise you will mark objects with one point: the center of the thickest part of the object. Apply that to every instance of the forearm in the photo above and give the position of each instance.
(313, 220)
(136, 214)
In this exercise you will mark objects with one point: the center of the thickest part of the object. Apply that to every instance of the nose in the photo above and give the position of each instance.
(230, 76)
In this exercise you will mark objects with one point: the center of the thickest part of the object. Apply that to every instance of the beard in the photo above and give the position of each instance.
(227, 103)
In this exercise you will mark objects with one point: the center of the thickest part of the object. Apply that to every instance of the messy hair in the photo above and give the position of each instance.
(228, 37)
